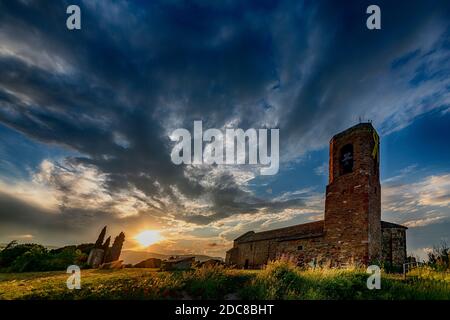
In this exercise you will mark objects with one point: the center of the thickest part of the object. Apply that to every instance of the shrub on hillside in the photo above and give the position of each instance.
(13, 251)
(439, 257)
(31, 260)
(34, 257)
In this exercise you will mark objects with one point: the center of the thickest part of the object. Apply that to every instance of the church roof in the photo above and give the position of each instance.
(385, 225)
(299, 231)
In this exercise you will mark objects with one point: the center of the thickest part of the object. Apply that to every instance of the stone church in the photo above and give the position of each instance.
(352, 231)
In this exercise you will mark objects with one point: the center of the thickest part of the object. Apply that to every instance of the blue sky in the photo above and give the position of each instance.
(85, 116)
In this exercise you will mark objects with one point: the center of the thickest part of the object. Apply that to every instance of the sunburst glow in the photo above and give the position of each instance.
(148, 237)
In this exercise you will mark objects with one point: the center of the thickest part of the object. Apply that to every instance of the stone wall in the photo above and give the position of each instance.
(316, 249)
(255, 254)
(254, 250)
(394, 246)
(303, 251)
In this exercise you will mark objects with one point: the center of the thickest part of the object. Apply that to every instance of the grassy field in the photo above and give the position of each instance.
(278, 281)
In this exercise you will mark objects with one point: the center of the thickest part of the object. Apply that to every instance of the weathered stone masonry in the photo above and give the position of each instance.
(352, 230)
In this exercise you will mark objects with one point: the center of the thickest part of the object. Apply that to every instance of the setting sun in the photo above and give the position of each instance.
(148, 237)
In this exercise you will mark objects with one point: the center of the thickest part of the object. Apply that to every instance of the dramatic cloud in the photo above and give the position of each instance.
(422, 206)
(407, 199)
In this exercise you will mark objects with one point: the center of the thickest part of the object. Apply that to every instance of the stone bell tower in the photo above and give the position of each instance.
(353, 197)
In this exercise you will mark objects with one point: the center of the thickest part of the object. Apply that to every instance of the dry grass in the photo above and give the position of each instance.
(279, 280)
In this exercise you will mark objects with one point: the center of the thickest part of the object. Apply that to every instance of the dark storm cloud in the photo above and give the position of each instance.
(138, 70)
(349, 65)
(18, 213)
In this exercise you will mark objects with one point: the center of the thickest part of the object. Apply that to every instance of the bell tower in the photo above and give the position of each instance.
(353, 197)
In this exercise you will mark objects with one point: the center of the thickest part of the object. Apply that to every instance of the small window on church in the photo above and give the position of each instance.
(299, 248)
(346, 159)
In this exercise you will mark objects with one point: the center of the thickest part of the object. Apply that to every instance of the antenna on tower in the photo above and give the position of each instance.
(360, 119)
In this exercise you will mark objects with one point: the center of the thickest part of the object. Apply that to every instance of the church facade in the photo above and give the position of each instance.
(352, 230)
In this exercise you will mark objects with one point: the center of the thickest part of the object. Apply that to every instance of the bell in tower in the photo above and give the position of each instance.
(346, 159)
